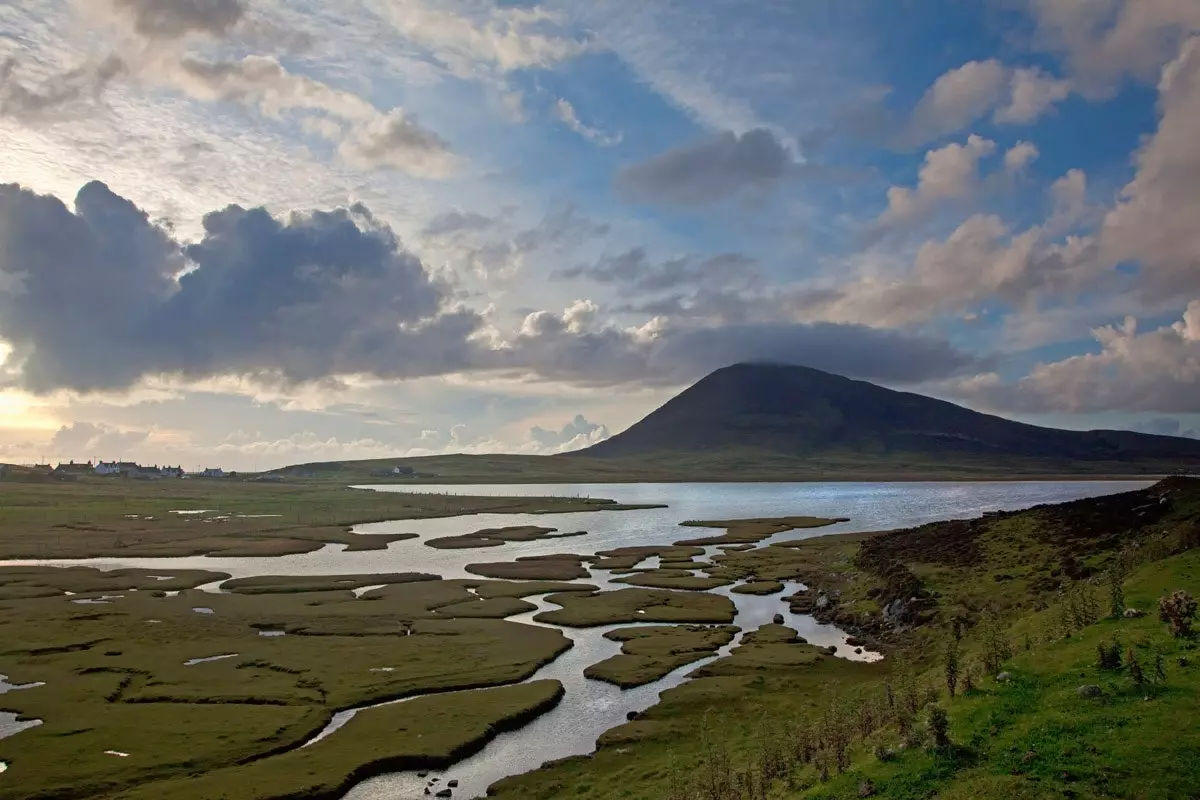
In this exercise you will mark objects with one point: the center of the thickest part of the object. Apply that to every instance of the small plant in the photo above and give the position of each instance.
(996, 647)
(938, 724)
(950, 667)
(1116, 585)
(1178, 609)
(1028, 643)
(1135, 668)
(1160, 667)
(1109, 655)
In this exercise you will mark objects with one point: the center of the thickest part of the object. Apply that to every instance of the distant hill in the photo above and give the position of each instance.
(756, 410)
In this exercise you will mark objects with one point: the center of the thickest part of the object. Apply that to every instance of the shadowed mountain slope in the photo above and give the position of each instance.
(797, 411)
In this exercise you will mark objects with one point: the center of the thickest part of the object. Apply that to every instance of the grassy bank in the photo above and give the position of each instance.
(1016, 607)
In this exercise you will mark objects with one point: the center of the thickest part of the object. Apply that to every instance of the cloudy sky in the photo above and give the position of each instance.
(257, 232)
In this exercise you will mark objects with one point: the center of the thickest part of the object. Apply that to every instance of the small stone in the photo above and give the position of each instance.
(858, 651)
(631, 715)
(452, 784)
(777, 619)
(422, 774)
(1134, 613)
(444, 793)
(831, 650)
(866, 788)
(1090, 690)
(1029, 756)
(1004, 677)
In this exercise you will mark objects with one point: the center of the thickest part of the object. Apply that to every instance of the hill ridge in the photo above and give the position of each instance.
(788, 410)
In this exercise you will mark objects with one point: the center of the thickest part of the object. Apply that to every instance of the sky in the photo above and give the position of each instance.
(250, 233)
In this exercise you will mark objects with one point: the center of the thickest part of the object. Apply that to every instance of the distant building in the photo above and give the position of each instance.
(172, 472)
(71, 468)
(213, 472)
(393, 472)
(108, 468)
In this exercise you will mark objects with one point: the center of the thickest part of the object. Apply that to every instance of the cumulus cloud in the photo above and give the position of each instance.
(982, 260)
(708, 171)
(967, 94)
(92, 440)
(1155, 221)
(1019, 157)
(1104, 42)
(301, 297)
(397, 140)
(1156, 371)
(575, 346)
(574, 435)
(1034, 92)
(634, 272)
(568, 116)
(950, 172)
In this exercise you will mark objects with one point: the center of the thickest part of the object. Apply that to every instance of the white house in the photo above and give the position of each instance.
(172, 472)
(108, 468)
(213, 472)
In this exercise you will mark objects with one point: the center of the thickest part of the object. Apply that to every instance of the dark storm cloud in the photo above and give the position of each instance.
(100, 296)
(714, 169)
(55, 94)
(633, 271)
(565, 348)
(171, 19)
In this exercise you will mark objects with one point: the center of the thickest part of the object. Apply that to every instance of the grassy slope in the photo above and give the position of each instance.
(732, 466)
(1030, 737)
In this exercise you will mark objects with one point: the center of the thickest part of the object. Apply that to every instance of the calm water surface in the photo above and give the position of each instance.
(590, 707)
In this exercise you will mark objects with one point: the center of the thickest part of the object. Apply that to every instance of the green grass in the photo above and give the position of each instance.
(498, 537)
(743, 466)
(637, 605)
(98, 517)
(1032, 736)
(428, 732)
(115, 679)
(649, 653)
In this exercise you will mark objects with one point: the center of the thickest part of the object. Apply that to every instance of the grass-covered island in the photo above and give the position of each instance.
(1035, 654)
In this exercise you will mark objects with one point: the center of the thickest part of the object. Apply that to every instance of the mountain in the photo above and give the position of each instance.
(756, 410)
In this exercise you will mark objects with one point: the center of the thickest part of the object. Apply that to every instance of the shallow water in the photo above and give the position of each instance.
(591, 707)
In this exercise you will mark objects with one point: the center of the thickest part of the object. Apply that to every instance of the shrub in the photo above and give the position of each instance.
(950, 667)
(1116, 586)
(996, 647)
(1109, 655)
(1135, 669)
(939, 726)
(1178, 609)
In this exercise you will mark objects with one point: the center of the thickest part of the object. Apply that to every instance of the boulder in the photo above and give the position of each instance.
(866, 788)
(1089, 690)
(777, 619)
(823, 602)
(452, 784)
(445, 793)
(1134, 613)
(1004, 677)
(831, 650)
